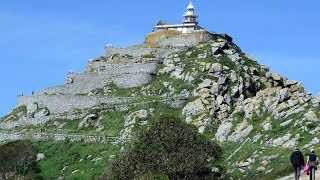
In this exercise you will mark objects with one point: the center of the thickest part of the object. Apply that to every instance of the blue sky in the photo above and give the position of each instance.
(40, 41)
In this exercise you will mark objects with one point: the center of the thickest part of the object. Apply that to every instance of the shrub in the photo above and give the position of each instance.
(168, 149)
(17, 157)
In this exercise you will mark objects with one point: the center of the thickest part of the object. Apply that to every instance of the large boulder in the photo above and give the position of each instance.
(316, 101)
(177, 73)
(266, 125)
(276, 77)
(217, 67)
(193, 108)
(223, 131)
(241, 132)
(283, 95)
(40, 156)
(289, 82)
(310, 116)
(285, 141)
(42, 113)
(131, 119)
(31, 109)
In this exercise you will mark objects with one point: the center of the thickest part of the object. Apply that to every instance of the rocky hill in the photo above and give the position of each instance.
(257, 116)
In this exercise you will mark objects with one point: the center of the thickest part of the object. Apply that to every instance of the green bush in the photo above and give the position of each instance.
(168, 149)
(17, 157)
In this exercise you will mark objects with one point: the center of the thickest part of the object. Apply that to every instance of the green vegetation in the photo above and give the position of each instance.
(15, 114)
(17, 157)
(225, 61)
(150, 55)
(113, 122)
(167, 149)
(65, 158)
(123, 92)
(277, 158)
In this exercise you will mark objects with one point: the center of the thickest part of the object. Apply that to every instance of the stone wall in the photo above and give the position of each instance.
(169, 38)
(124, 75)
(135, 51)
(57, 104)
(122, 68)
(11, 136)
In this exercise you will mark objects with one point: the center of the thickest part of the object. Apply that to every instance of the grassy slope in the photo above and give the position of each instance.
(74, 156)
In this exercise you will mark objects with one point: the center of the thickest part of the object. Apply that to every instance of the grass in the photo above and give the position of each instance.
(281, 166)
(225, 61)
(15, 114)
(125, 92)
(74, 156)
(113, 122)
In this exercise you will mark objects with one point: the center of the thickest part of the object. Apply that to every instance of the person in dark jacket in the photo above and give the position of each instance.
(312, 161)
(297, 161)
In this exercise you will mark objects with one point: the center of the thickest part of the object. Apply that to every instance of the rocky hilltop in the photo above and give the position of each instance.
(257, 116)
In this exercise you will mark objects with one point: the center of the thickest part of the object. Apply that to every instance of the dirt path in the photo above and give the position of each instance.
(303, 176)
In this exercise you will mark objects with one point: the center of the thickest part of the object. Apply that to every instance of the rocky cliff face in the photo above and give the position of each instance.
(256, 115)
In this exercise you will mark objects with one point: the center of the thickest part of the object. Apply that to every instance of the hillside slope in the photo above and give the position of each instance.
(256, 116)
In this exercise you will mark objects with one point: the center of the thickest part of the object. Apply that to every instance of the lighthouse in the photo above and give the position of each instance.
(189, 23)
(189, 15)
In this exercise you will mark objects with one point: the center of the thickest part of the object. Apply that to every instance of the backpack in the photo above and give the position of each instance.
(297, 158)
(312, 160)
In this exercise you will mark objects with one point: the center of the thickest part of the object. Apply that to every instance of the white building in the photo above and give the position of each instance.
(188, 25)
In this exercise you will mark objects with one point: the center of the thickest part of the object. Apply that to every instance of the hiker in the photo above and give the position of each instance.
(297, 161)
(312, 162)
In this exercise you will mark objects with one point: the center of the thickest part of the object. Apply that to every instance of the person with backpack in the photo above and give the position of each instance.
(297, 161)
(312, 162)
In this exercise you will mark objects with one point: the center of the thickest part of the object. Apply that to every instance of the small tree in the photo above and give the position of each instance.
(168, 149)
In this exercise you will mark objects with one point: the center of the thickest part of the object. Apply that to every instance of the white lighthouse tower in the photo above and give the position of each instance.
(189, 24)
(189, 15)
